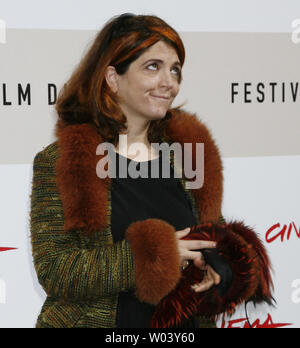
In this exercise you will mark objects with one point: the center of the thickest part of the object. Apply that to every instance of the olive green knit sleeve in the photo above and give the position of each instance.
(65, 266)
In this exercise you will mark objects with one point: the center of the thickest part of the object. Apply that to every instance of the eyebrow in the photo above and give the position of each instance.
(160, 61)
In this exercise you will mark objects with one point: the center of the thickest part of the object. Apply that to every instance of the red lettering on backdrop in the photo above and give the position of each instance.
(276, 232)
(6, 249)
(243, 324)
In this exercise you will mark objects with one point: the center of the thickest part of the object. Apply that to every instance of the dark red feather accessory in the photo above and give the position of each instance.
(250, 265)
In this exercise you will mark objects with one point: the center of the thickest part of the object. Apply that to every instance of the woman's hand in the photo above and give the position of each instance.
(185, 247)
(210, 279)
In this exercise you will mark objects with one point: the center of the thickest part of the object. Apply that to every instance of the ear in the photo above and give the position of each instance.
(111, 78)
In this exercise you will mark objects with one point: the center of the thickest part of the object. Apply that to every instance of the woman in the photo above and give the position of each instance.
(108, 250)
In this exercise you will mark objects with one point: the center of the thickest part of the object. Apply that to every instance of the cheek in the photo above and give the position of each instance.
(147, 85)
(176, 90)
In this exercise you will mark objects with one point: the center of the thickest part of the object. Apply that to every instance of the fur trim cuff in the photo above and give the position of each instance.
(156, 256)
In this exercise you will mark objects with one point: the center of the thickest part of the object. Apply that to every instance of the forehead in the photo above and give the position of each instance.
(160, 50)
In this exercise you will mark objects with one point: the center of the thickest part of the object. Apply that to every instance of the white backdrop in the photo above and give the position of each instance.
(262, 190)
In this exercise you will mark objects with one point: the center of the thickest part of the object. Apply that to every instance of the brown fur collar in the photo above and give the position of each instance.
(85, 196)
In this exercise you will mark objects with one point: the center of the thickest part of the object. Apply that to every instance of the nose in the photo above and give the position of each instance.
(167, 80)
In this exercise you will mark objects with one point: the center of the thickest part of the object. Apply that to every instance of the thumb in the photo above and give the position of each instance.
(184, 232)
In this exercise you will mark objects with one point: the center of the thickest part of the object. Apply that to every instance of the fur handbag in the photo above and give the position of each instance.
(251, 281)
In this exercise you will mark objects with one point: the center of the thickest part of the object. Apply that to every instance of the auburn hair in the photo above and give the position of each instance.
(86, 97)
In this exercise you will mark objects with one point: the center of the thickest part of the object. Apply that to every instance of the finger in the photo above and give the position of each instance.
(199, 244)
(215, 276)
(193, 255)
(203, 286)
(203, 244)
(183, 233)
(199, 263)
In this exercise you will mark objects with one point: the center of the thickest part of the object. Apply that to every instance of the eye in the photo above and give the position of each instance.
(178, 71)
(152, 64)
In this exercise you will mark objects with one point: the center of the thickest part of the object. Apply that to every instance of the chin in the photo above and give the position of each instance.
(158, 115)
(157, 118)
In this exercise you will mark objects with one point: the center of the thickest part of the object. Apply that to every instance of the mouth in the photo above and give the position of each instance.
(161, 97)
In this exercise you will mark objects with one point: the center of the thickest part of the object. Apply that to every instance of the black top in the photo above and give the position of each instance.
(140, 198)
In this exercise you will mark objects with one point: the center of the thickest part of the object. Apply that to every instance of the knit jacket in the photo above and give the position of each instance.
(80, 268)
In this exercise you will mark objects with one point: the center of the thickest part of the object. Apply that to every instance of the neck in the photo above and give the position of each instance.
(137, 132)
(135, 137)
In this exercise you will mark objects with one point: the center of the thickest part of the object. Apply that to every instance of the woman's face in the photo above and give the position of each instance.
(150, 84)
